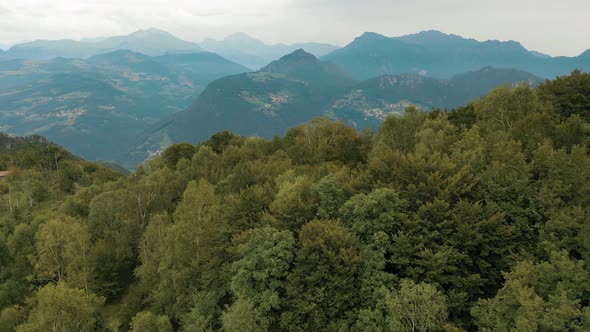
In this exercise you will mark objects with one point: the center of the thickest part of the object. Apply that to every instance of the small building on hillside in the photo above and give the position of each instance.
(4, 174)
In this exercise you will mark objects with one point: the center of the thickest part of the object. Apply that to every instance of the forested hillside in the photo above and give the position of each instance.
(472, 219)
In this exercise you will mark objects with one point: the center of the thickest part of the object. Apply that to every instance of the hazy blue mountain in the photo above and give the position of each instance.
(201, 63)
(440, 55)
(367, 103)
(171, 81)
(372, 55)
(324, 76)
(251, 52)
(317, 49)
(68, 100)
(149, 42)
(285, 93)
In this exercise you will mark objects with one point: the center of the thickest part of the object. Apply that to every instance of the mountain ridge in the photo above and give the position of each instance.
(150, 42)
(442, 55)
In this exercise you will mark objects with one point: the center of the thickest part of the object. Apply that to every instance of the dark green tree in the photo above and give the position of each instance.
(322, 288)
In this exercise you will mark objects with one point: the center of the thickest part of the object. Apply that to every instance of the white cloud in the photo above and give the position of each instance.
(555, 27)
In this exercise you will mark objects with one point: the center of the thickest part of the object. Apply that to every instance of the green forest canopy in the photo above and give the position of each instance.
(472, 219)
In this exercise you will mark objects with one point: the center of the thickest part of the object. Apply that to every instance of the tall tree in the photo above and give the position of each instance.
(192, 254)
(63, 253)
(258, 281)
(322, 288)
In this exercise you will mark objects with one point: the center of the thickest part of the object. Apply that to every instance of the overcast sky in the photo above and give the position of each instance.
(550, 26)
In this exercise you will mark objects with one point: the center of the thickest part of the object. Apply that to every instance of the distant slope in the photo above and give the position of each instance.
(435, 54)
(367, 103)
(202, 62)
(95, 107)
(172, 81)
(149, 42)
(15, 73)
(255, 54)
(285, 93)
(90, 116)
(472, 85)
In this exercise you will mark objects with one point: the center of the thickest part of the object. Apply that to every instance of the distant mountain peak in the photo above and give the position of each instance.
(371, 36)
(304, 66)
(235, 44)
(150, 32)
(586, 54)
(368, 38)
(505, 45)
(432, 32)
(296, 59)
(299, 55)
(433, 37)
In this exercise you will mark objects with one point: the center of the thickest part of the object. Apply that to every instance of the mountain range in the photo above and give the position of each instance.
(440, 55)
(428, 53)
(239, 47)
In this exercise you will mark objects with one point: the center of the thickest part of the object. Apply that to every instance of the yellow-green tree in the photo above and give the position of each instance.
(63, 252)
(59, 308)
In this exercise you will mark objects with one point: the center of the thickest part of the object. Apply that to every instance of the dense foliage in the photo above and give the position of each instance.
(473, 219)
